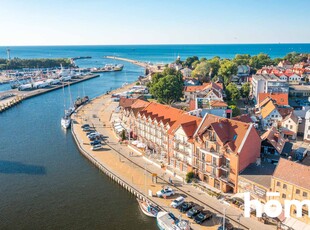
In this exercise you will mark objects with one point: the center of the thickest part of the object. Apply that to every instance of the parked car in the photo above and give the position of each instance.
(186, 206)
(87, 128)
(96, 147)
(90, 132)
(194, 211)
(202, 216)
(165, 192)
(85, 125)
(177, 202)
(95, 134)
(95, 142)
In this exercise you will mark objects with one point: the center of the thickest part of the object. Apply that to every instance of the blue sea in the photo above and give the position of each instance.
(155, 53)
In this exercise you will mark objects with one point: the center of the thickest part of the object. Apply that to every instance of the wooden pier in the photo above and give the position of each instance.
(22, 95)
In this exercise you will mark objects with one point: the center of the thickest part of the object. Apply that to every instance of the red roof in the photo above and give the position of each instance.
(192, 105)
(217, 86)
(243, 118)
(280, 98)
(126, 102)
(293, 173)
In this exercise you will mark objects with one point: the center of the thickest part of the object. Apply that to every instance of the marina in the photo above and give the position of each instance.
(22, 95)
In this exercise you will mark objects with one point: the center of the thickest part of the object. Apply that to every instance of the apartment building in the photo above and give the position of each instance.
(181, 142)
(268, 84)
(151, 127)
(223, 148)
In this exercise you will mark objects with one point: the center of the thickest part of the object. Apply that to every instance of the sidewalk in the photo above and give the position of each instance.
(117, 157)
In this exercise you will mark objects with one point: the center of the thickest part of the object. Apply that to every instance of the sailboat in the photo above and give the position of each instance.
(66, 119)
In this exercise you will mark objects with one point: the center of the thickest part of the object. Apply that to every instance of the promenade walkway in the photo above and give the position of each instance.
(137, 171)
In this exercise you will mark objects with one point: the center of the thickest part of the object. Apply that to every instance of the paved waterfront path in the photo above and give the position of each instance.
(132, 169)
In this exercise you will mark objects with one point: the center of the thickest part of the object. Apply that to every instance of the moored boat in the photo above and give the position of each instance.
(65, 122)
(147, 208)
(80, 101)
(167, 221)
(108, 68)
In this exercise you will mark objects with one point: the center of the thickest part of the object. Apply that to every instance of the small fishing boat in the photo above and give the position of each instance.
(108, 68)
(147, 208)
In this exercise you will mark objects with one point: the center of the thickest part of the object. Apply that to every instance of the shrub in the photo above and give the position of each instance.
(189, 176)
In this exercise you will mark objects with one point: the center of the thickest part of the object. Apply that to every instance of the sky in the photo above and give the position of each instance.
(122, 22)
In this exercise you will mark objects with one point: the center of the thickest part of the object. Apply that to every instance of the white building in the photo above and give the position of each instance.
(307, 126)
(268, 84)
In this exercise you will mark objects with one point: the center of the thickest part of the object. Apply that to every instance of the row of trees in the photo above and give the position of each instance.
(17, 63)
(223, 69)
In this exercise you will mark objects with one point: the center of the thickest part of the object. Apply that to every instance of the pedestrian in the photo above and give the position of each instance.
(174, 174)
(170, 181)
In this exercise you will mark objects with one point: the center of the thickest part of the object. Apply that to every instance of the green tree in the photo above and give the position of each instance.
(202, 72)
(215, 66)
(194, 64)
(189, 61)
(260, 60)
(227, 70)
(294, 57)
(235, 110)
(245, 90)
(123, 135)
(276, 61)
(232, 92)
(242, 59)
(168, 89)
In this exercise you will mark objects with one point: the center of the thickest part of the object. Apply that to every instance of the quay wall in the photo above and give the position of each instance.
(110, 173)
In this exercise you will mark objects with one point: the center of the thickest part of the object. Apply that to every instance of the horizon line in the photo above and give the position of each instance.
(166, 44)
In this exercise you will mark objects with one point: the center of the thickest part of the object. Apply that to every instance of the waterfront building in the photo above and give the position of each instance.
(223, 148)
(291, 180)
(265, 83)
(181, 142)
(151, 127)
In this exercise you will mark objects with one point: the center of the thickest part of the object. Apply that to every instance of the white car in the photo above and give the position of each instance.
(177, 202)
(165, 192)
(96, 134)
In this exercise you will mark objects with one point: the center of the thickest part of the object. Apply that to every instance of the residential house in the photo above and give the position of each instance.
(223, 148)
(210, 91)
(289, 126)
(186, 72)
(307, 126)
(294, 78)
(274, 145)
(270, 115)
(285, 64)
(291, 181)
(181, 142)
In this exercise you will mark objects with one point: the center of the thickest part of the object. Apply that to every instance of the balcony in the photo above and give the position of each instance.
(225, 168)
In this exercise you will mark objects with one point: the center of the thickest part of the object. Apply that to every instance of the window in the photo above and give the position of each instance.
(304, 194)
(278, 183)
(283, 196)
(284, 186)
(291, 127)
(297, 191)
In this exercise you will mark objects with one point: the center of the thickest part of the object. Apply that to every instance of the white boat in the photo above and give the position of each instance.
(167, 221)
(147, 208)
(65, 122)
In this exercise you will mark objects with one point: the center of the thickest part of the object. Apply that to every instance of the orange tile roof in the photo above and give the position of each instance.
(268, 109)
(164, 113)
(126, 102)
(280, 98)
(243, 118)
(139, 104)
(189, 124)
(218, 103)
(229, 132)
(293, 173)
(284, 112)
(192, 105)
(205, 85)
